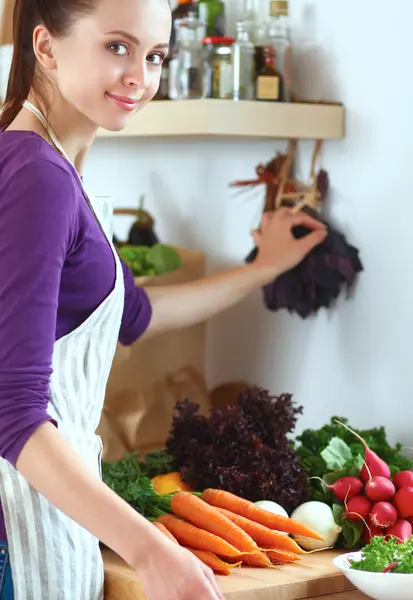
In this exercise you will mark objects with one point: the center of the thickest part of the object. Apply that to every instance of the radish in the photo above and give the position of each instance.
(403, 501)
(380, 489)
(401, 530)
(358, 508)
(383, 514)
(373, 464)
(344, 488)
(371, 531)
(403, 479)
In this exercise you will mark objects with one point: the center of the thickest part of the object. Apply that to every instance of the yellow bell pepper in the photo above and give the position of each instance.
(169, 483)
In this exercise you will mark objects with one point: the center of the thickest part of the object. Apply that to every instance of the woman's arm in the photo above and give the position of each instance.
(55, 470)
(189, 303)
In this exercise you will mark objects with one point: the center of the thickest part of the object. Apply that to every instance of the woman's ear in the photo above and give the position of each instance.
(43, 48)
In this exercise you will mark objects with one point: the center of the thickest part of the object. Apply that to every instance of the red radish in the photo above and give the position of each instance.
(403, 479)
(358, 508)
(383, 514)
(344, 488)
(371, 531)
(380, 489)
(403, 501)
(402, 530)
(373, 464)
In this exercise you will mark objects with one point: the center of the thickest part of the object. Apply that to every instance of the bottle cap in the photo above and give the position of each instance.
(218, 40)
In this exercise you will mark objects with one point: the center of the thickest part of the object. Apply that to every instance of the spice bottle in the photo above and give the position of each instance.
(243, 64)
(278, 36)
(269, 83)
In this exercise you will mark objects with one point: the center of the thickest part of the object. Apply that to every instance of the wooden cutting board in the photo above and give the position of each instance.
(315, 576)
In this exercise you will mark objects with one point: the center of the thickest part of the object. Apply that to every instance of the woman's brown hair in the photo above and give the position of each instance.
(58, 16)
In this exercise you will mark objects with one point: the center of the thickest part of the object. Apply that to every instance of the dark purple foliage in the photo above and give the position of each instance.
(318, 280)
(242, 448)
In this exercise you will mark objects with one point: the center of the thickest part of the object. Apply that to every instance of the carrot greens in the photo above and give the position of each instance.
(127, 478)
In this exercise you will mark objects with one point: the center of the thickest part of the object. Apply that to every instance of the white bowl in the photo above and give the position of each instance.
(379, 586)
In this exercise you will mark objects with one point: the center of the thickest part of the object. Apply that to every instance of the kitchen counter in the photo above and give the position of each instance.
(314, 577)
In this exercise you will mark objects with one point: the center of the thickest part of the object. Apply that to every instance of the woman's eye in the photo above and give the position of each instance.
(156, 59)
(119, 49)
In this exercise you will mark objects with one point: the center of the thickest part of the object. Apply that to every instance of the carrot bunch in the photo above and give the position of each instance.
(224, 531)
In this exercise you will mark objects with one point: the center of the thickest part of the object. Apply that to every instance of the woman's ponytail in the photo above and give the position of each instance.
(23, 61)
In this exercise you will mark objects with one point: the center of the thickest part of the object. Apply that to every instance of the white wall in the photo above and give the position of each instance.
(356, 359)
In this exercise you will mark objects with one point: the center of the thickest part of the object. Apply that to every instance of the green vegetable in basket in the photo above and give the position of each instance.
(150, 260)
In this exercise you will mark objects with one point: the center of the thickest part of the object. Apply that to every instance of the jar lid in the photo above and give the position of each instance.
(219, 40)
(278, 7)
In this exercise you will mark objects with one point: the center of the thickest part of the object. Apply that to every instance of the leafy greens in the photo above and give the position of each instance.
(380, 553)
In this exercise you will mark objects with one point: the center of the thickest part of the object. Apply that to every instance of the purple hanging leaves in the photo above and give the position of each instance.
(318, 280)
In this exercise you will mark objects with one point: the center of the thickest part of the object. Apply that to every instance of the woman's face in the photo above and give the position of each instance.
(109, 65)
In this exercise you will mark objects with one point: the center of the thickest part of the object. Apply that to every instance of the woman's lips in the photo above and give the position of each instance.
(124, 102)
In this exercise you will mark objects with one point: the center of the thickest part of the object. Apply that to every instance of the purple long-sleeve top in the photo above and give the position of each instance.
(56, 268)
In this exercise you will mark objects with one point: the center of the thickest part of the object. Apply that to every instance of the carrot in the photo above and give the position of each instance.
(265, 537)
(212, 561)
(245, 508)
(199, 513)
(165, 531)
(281, 556)
(258, 559)
(194, 537)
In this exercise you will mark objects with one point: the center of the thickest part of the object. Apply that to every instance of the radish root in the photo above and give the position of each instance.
(368, 471)
(353, 432)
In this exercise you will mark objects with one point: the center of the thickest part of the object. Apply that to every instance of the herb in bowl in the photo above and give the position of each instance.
(380, 554)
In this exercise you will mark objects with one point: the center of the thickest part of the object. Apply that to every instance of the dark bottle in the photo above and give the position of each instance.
(181, 11)
(269, 82)
(163, 90)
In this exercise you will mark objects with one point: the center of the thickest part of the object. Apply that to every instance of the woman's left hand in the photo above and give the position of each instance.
(278, 249)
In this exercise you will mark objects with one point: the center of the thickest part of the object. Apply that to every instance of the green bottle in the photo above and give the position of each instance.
(212, 13)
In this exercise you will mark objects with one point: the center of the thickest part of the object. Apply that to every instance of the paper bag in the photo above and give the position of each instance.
(150, 376)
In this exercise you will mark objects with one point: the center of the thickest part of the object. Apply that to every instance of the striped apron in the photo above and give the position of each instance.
(52, 557)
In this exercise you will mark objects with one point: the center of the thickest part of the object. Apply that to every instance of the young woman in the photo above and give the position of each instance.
(66, 299)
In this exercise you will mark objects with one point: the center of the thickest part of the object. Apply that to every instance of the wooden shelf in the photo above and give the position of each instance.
(226, 118)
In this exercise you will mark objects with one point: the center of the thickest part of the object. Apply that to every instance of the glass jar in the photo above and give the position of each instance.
(243, 64)
(219, 57)
(190, 66)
